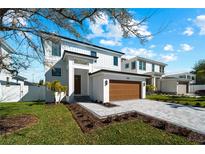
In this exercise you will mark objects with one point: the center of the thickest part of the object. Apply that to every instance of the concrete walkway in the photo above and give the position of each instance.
(186, 116)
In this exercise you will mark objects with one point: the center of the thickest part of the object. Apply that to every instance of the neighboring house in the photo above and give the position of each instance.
(16, 88)
(173, 83)
(146, 66)
(89, 70)
(184, 75)
(5, 49)
(177, 83)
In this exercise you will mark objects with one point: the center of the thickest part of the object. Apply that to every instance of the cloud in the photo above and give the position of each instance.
(189, 19)
(186, 47)
(188, 31)
(200, 22)
(142, 52)
(110, 42)
(141, 29)
(152, 46)
(168, 57)
(168, 47)
(107, 30)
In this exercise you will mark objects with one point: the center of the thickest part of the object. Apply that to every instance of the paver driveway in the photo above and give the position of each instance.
(186, 116)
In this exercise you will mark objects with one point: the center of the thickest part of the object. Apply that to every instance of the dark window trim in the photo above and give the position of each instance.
(127, 65)
(59, 46)
(53, 73)
(153, 67)
(134, 62)
(142, 65)
(115, 60)
(95, 53)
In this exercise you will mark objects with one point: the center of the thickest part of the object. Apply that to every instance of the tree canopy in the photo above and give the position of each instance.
(199, 70)
(22, 28)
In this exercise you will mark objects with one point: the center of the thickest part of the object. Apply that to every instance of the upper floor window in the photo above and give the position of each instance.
(115, 61)
(161, 69)
(133, 65)
(127, 65)
(93, 53)
(56, 72)
(142, 65)
(153, 67)
(56, 49)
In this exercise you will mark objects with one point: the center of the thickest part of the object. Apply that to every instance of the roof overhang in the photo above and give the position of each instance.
(81, 43)
(151, 61)
(154, 73)
(176, 79)
(119, 73)
(18, 77)
(78, 55)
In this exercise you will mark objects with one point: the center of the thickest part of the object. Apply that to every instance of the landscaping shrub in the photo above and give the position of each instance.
(125, 116)
(134, 114)
(107, 120)
(89, 125)
(197, 104)
(200, 92)
(158, 124)
(117, 118)
(150, 89)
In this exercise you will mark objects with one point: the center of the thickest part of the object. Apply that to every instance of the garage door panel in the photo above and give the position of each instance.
(124, 90)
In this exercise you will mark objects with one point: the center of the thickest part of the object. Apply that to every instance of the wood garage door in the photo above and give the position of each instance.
(124, 90)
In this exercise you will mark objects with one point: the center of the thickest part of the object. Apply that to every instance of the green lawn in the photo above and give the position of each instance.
(56, 126)
(184, 100)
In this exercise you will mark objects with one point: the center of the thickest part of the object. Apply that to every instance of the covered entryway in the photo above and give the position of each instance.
(124, 90)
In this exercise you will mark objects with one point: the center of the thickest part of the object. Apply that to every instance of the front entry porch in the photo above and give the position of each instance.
(79, 66)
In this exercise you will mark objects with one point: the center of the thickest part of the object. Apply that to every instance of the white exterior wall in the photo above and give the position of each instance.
(96, 84)
(101, 90)
(16, 93)
(104, 61)
(194, 88)
(169, 86)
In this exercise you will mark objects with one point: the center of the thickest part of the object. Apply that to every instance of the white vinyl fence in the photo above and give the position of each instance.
(194, 88)
(16, 93)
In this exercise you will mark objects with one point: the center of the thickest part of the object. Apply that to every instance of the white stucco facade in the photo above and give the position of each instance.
(76, 59)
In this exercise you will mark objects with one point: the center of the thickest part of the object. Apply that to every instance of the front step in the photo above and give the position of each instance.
(82, 99)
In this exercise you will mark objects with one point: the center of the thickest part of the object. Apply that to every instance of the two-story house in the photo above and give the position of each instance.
(146, 66)
(89, 70)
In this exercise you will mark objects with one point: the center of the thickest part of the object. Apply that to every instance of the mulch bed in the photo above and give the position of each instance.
(88, 122)
(15, 123)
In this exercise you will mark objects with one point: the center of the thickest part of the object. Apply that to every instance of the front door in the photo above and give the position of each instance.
(77, 84)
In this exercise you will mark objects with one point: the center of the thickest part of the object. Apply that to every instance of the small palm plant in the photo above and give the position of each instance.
(58, 89)
(150, 89)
